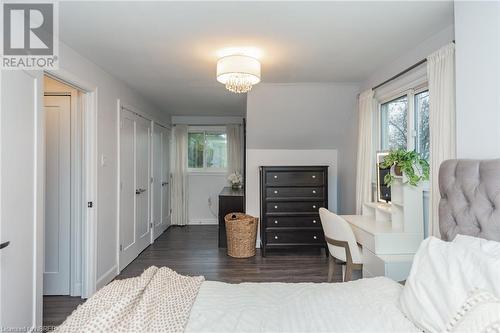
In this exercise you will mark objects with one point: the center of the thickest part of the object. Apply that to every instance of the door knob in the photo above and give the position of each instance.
(139, 191)
(4, 245)
(164, 184)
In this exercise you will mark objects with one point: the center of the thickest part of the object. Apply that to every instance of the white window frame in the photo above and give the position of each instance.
(205, 130)
(411, 132)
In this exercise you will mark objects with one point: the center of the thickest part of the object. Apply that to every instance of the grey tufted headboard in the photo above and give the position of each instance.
(470, 198)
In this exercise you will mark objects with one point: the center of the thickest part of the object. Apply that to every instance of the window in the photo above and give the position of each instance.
(406, 125)
(394, 124)
(422, 124)
(207, 150)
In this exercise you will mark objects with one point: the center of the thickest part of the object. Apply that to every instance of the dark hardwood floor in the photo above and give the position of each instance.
(192, 250)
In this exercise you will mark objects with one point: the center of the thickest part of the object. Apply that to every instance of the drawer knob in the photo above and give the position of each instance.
(275, 207)
(275, 237)
(314, 191)
(275, 192)
(275, 221)
(315, 237)
(314, 176)
(314, 206)
(275, 177)
(314, 221)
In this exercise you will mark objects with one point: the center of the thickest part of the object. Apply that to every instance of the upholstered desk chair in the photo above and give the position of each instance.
(342, 245)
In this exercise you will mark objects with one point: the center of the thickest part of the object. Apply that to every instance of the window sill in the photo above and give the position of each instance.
(207, 173)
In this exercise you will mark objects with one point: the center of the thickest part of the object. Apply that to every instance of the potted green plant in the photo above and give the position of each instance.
(407, 163)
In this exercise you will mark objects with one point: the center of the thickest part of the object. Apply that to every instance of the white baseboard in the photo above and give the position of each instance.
(106, 277)
(76, 289)
(203, 221)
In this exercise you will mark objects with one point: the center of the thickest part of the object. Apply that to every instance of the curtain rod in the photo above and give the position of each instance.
(403, 72)
(423, 61)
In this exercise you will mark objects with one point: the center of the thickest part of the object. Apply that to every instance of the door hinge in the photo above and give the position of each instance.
(121, 248)
(152, 180)
(90, 204)
(151, 225)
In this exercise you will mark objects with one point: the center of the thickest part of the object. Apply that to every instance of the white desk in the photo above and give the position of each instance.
(386, 251)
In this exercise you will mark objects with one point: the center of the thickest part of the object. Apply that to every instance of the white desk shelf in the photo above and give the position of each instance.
(390, 234)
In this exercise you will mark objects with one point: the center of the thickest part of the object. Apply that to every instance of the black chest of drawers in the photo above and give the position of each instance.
(290, 197)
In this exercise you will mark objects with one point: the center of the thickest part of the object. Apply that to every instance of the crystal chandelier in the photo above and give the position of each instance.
(238, 72)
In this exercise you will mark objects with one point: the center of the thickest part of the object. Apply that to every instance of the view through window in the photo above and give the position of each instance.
(207, 150)
(394, 124)
(396, 131)
(422, 139)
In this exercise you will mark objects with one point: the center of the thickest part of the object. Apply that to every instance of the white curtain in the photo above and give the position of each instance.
(365, 156)
(441, 77)
(234, 148)
(179, 195)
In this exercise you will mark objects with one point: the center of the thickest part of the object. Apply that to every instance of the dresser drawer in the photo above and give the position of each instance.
(294, 207)
(294, 178)
(293, 221)
(295, 237)
(295, 192)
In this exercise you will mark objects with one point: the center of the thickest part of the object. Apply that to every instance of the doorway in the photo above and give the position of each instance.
(62, 273)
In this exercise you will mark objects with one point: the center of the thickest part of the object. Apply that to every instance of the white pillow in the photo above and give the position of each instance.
(479, 244)
(479, 313)
(441, 276)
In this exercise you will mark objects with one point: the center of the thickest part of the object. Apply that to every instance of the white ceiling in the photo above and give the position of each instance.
(168, 50)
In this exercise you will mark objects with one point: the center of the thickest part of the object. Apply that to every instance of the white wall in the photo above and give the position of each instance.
(75, 67)
(305, 117)
(419, 52)
(477, 34)
(203, 187)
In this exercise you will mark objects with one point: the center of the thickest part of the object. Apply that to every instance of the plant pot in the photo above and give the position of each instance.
(237, 186)
(397, 170)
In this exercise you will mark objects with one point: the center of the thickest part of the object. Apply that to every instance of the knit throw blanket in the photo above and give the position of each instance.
(159, 300)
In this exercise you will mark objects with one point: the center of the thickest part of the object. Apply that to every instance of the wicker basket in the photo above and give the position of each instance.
(241, 230)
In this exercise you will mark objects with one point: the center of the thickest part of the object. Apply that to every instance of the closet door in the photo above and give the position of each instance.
(159, 224)
(143, 182)
(128, 246)
(56, 278)
(161, 175)
(166, 178)
(135, 155)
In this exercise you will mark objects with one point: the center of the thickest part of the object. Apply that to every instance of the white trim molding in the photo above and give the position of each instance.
(106, 277)
(202, 221)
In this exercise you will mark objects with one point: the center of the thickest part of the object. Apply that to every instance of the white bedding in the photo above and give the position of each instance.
(367, 305)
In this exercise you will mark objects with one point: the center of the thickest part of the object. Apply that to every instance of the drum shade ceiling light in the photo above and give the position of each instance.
(238, 72)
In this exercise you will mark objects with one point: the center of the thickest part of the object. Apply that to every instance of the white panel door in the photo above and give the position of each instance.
(128, 246)
(135, 164)
(156, 216)
(56, 279)
(21, 201)
(160, 181)
(143, 182)
(166, 178)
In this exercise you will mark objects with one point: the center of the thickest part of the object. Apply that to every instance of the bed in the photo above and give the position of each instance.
(162, 300)
(299, 307)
